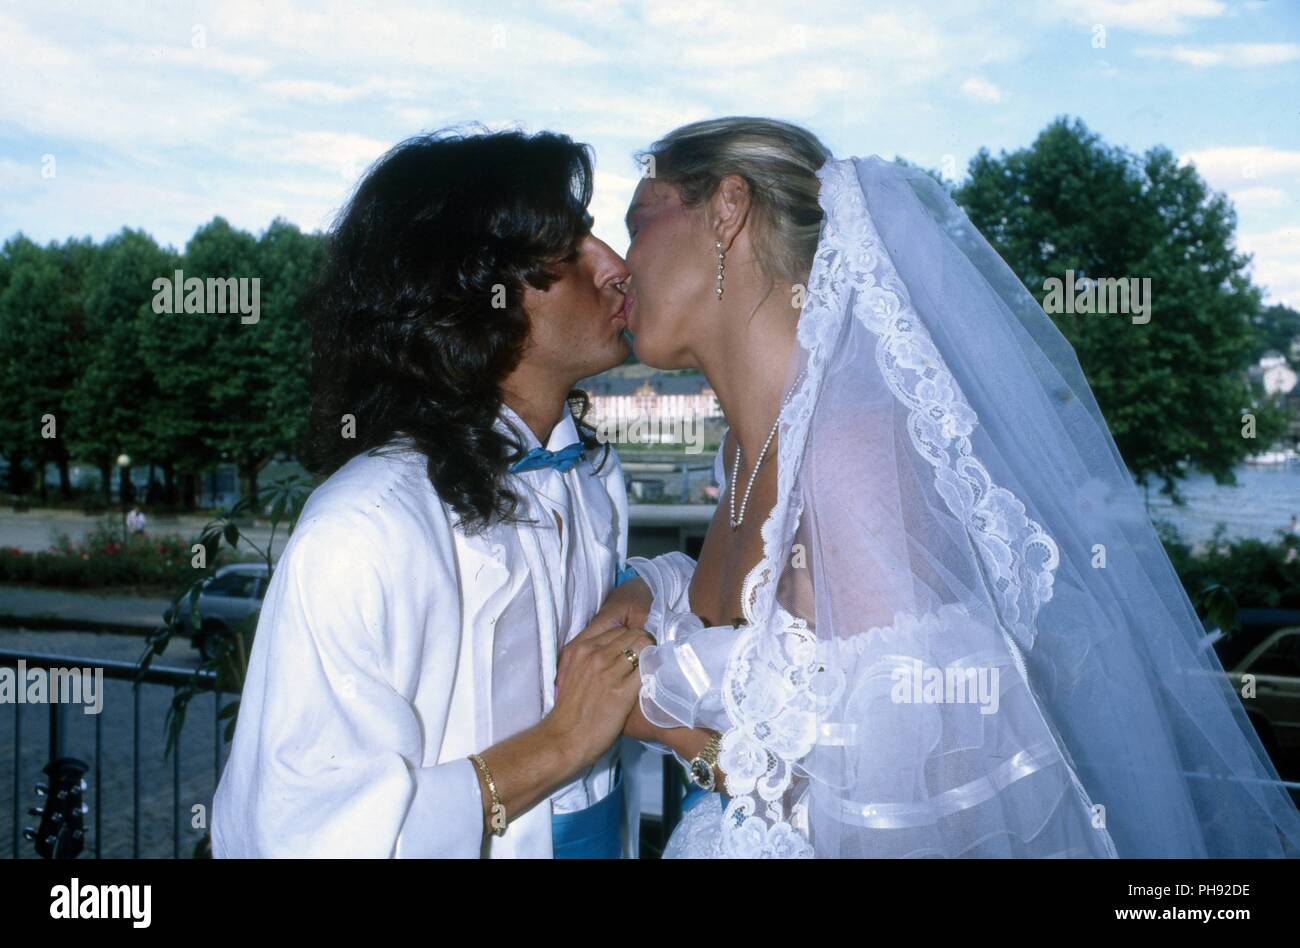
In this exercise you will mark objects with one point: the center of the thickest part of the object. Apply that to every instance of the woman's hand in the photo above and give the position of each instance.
(639, 729)
(628, 604)
(685, 741)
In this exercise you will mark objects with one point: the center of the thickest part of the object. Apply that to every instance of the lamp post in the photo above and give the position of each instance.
(123, 464)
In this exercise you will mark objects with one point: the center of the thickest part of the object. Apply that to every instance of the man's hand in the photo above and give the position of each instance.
(627, 606)
(590, 713)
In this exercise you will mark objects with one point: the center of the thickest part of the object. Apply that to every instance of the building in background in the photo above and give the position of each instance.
(638, 391)
(1276, 373)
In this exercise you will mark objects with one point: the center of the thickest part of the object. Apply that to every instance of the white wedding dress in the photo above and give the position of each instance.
(963, 638)
(699, 834)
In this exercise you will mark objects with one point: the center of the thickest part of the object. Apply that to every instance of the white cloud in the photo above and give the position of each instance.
(343, 154)
(590, 117)
(1235, 55)
(1259, 199)
(288, 100)
(62, 92)
(403, 34)
(1262, 182)
(1276, 264)
(1162, 17)
(101, 201)
(1230, 167)
(326, 92)
(981, 90)
(16, 176)
(613, 193)
(186, 57)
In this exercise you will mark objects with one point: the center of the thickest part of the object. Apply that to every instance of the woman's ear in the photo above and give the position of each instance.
(729, 209)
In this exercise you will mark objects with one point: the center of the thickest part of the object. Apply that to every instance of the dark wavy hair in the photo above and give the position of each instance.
(417, 316)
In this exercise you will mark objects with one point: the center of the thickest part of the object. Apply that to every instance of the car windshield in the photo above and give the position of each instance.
(241, 585)
(1280, 658)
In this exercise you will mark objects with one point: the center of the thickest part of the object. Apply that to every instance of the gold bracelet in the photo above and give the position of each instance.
(498, 821)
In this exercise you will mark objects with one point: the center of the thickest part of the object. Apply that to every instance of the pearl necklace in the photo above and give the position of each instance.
(762, 455)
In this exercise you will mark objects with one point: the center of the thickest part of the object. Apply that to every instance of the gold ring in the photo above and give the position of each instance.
(632, 657)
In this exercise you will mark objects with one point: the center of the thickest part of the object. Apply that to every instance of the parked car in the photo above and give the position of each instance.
(1275, 709)
(232, 594)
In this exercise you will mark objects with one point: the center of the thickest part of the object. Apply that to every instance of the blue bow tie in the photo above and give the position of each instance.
(562, 460)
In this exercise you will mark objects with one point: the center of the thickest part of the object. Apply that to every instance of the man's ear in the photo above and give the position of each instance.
(729, 209)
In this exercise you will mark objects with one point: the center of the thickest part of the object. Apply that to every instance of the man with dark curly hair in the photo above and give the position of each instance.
(401, 696)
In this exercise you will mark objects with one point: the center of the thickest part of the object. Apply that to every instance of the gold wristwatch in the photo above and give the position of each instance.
(701, 765)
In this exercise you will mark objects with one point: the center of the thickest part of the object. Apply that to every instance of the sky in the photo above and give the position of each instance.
(163, 115)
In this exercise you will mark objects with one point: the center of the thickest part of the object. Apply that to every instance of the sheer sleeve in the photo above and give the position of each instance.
(669, 579)
(680, 674)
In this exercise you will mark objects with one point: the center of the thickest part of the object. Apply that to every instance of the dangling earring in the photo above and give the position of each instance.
(717, 288)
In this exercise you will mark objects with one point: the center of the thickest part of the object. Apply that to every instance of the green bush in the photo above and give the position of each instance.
(1259, 574)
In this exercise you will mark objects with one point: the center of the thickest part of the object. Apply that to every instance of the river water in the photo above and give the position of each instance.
(1261, 502)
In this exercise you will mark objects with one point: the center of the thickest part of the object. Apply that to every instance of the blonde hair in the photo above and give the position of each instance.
(778, 161)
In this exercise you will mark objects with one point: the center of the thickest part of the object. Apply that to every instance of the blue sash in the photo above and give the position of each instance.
(594, 832)
(693, 796)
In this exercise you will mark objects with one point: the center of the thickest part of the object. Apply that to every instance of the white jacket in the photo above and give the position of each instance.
(390, 646)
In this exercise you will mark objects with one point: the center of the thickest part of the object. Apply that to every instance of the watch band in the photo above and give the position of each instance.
(701, 765)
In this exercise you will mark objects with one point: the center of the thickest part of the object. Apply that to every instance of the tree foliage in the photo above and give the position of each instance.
(1174, 389)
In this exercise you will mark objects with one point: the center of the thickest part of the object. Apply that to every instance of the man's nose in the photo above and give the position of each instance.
(619, 275)
(611, 268)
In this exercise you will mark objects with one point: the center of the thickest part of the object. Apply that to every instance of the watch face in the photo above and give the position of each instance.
(702, 774)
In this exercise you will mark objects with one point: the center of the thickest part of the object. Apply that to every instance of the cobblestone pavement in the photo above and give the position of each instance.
(115, 791)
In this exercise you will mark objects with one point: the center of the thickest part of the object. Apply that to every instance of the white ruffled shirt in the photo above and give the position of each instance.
(391, 645)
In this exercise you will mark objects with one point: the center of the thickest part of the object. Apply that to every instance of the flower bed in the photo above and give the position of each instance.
(102, 559)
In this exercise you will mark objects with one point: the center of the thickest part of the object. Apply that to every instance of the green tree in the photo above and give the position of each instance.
(115, 397)
(41, 320)
(272, 355)
(1277, 329)
(235, 389)
(1173, 390)
(193, 359)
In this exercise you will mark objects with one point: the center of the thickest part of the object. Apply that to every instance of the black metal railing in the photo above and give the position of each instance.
(62, 744)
